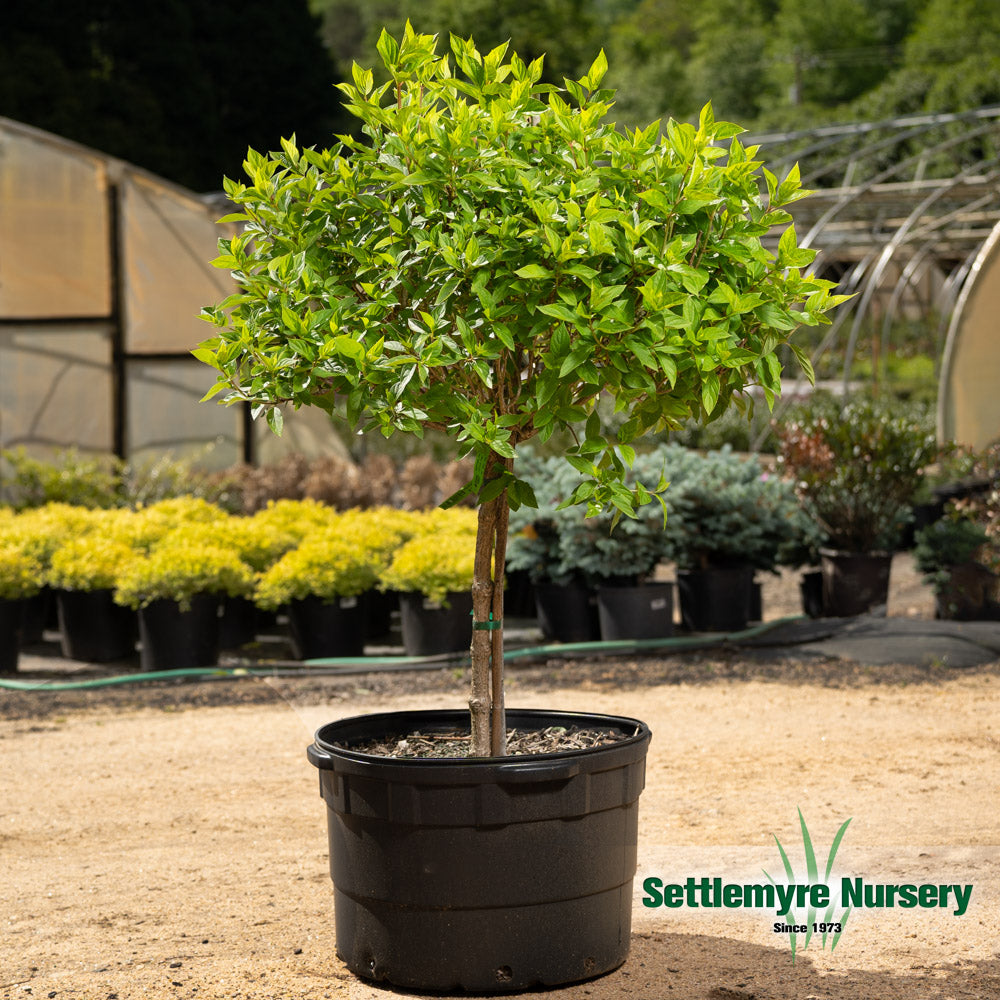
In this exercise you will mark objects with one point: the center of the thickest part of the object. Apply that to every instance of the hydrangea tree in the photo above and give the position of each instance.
(490, 259)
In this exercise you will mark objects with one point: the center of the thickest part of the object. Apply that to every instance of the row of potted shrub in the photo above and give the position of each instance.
(187, 557)
(838, 504)
(724, 518)
(840, 493)
(326, 568)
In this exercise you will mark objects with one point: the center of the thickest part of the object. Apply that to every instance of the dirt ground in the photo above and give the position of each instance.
(168, 840)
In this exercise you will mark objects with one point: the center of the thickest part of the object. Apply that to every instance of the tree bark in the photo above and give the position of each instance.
(486, 701)
(498, 719)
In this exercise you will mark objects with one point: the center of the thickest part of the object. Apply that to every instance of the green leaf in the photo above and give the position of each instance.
(597, 71)
(533, 271)
(207, 356)
(458, 496)
(275, 420)
(658, 200)
(600, 241)
(773, 316)
(572, 361)
(804, 363)
(348, 347)
(494, 487)
(790, 189)
(583, 465)
(215, 390)
(710, 388)
(557, 310)
(521, 490)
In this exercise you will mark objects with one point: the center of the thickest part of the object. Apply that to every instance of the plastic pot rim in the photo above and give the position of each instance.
(326, 755)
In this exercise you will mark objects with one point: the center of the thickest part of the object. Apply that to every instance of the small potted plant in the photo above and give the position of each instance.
(592, 579)
(20, 570)
(323, 583)
(488, 261)
(729, 518)
(43, 529)
(433, 574)
(177, 588)
(83, 572)
(949, 552)
(857, 466)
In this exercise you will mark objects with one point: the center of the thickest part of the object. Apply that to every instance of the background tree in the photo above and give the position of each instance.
(950, 62)
(566, 32)
(156, 84)
(650, 47)
(729, 57)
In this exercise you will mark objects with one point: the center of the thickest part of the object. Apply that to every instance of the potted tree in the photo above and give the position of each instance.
(487, 261)
(857, 466)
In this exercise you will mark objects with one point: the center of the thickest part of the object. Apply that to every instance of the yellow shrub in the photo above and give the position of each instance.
(181, 570)
(20, 570)
(93, 561)
(331, 563)
(150, 524)
(433, 564)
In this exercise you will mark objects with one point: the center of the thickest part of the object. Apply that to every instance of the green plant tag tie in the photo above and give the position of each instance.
(489, 626)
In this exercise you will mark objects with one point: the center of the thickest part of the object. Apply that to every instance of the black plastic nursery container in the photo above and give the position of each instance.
(718, 599)
(10, 634)
(855, 583)
(328, 628)
(172, 639)
(431, 629)
(93, 628)
(481, 874)
(642, 612)
(567, 612)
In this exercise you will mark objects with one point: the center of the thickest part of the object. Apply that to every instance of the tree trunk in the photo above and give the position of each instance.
(486, 702)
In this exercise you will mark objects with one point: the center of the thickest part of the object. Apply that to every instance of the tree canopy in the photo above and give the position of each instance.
(492, 257)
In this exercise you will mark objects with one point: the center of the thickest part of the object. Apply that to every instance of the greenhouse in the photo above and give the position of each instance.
(104, 268)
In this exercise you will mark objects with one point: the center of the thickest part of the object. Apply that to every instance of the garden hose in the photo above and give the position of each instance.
(347, 665)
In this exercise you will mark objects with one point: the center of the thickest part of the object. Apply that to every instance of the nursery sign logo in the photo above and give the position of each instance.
(818, 907)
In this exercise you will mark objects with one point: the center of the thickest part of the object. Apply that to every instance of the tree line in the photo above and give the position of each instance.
(183, 88)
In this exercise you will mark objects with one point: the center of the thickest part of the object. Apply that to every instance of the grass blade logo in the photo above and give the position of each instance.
(831, 924)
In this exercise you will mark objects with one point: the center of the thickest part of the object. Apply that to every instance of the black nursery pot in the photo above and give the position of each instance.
(172, 639)
(718, 599)
(567, 612)
(811, 591)
(855, 583)
(11, 612)
(328, 628)
(93, 628)
(430, 629)
(642, 612)
(482, 874)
